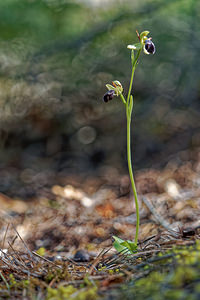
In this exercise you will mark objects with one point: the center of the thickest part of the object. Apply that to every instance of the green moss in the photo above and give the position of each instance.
(169, 275)
(150, 283)
(183, 275)
(197, 288)
(22, 284)
(60, 293)
(12, 282)
(174, 277)
(41, 251)
(173, 294)
(71, 293)
(58, 274)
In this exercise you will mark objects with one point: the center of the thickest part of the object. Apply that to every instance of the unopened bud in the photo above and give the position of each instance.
(131, 47)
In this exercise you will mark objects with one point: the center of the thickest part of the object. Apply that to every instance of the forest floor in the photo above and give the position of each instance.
(58, 245)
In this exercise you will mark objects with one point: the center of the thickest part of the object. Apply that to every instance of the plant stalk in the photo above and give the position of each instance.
(132, 178)
(129, 106)
(132, 74)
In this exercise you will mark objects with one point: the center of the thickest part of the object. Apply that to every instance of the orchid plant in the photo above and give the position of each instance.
(116, 89)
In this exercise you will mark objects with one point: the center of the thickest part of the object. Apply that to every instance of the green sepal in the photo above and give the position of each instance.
(143, 34)
(110, 87)
(117, 87)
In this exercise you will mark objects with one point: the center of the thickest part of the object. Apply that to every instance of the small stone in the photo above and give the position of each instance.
(81, 256)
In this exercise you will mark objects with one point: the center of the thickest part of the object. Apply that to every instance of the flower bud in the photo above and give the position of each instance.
(136, 46)
(109, 95)
(131, 47)
(149, 47)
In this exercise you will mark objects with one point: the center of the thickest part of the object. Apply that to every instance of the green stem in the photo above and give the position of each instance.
(129, 105)
(122, 98)
(131, 176)
(132, 74)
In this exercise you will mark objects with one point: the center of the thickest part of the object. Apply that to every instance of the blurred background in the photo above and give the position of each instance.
(56, 57)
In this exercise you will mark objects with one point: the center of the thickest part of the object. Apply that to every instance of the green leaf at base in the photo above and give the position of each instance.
(127, 247)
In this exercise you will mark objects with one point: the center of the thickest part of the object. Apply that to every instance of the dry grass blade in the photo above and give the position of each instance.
(19, 260)
(26, 247)
(118, 258)
(99, 257)
(16, 266)
(4, 238)
(13, 241)
(47, 260)
(5, 281)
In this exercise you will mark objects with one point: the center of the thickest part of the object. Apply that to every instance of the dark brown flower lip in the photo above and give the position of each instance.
(109, 95)
(149, 46)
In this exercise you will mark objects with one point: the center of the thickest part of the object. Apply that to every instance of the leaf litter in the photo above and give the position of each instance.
(58, 245)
